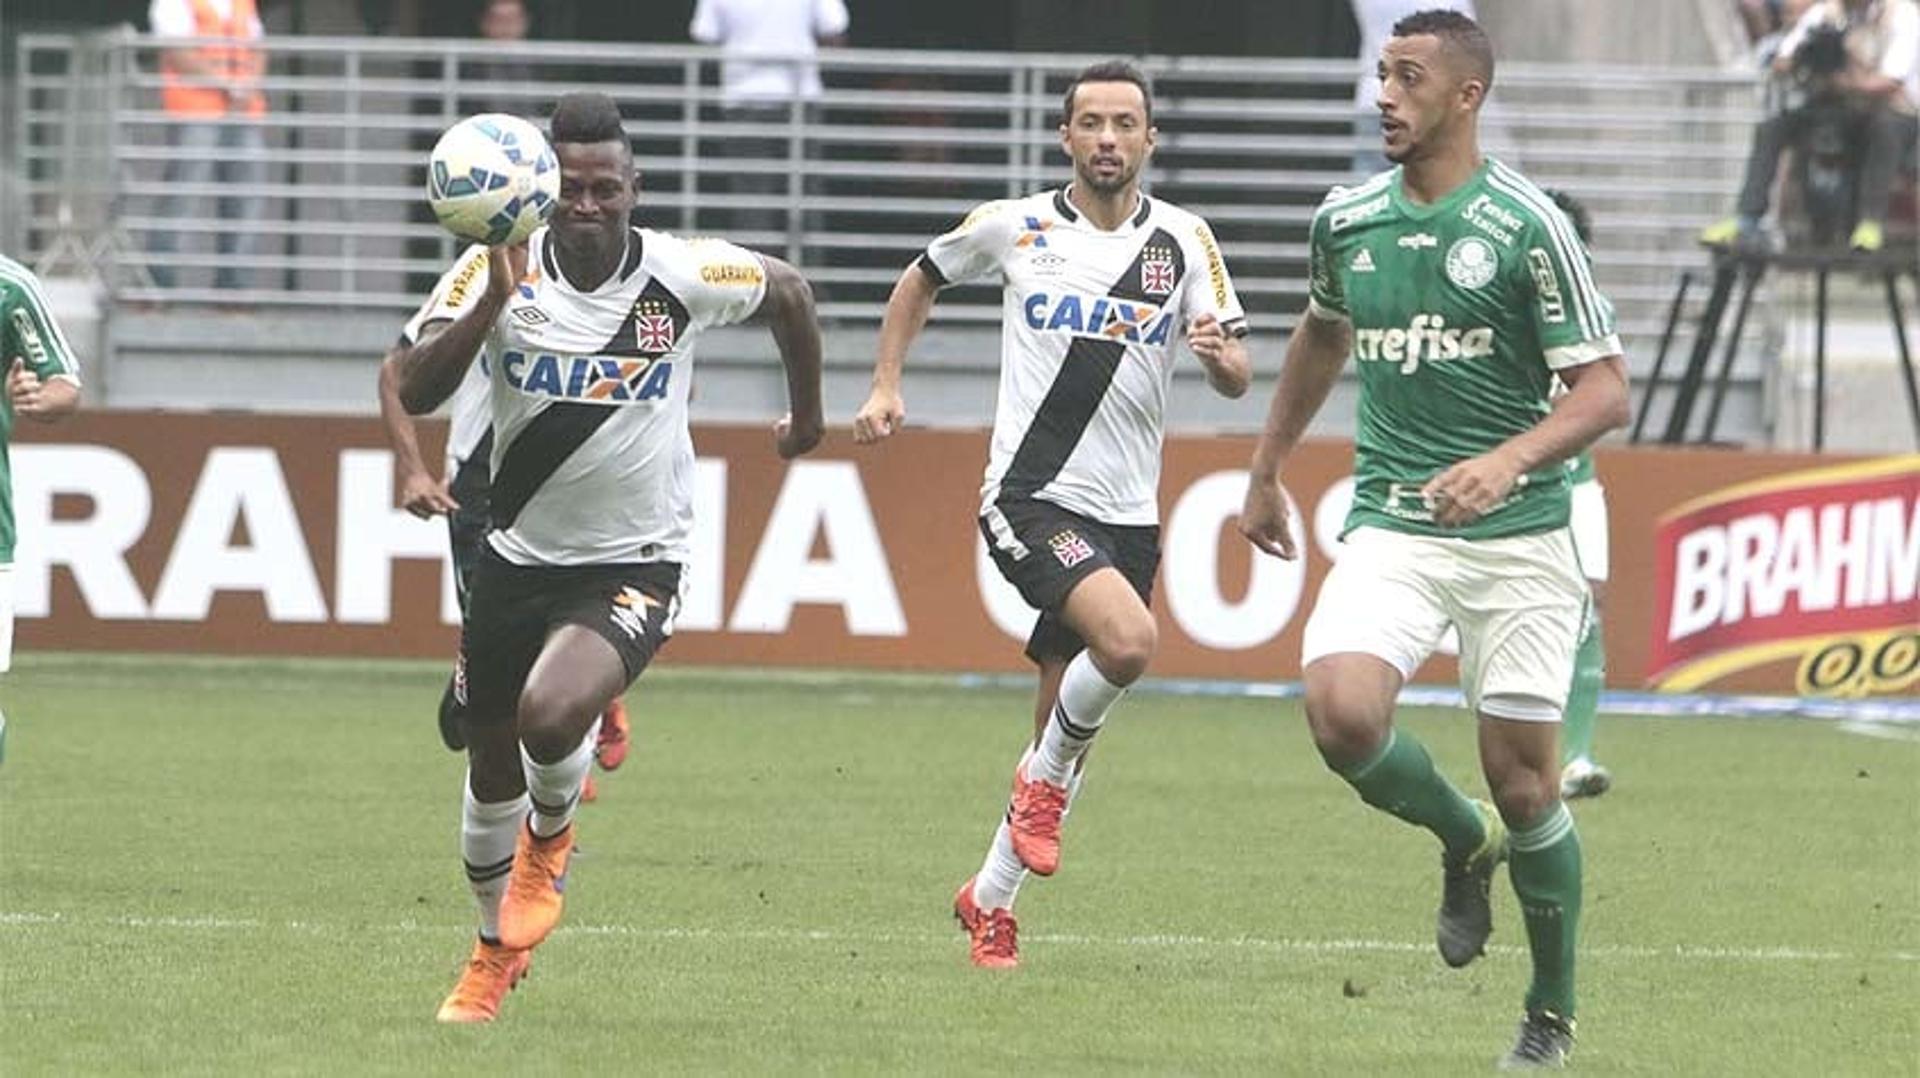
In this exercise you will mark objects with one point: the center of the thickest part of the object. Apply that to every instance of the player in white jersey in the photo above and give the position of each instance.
(1101, 283)
(590, 330)
(462, 492)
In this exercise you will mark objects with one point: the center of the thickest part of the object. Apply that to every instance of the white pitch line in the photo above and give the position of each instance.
(30, 921)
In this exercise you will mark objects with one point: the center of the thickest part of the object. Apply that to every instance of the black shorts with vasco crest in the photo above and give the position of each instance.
(514, 608)
(1045, 551)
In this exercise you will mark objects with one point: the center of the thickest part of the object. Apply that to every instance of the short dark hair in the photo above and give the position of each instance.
(586, 117)
(1576, 212)
(1456, 32)
(1109, 71)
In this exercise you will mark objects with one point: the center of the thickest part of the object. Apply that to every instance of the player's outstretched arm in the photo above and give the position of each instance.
(788, 309)
(1229, 370)
(1596, 402)
(1315, 353)
(48, 401)
(908, 309)
(420, 493)
(431, 369)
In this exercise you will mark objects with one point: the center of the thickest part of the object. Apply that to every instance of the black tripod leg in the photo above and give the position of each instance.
(1906, 356)
(1820, 360)
(1724, 273)
(1758, 271)
(1660, 357)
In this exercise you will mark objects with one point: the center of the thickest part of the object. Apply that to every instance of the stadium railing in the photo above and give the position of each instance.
(898, 148)
(901, 145)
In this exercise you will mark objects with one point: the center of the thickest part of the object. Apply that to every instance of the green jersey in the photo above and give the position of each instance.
(27, 333)
(1461, 312)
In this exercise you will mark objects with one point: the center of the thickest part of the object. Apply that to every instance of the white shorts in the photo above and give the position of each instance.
(1589, 527)
(6, 618)
(1519, 603)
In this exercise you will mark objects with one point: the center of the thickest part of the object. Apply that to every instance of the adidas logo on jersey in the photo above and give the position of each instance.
(1100, 317)
(1362, 262)
(1427, 339)
(593, 379)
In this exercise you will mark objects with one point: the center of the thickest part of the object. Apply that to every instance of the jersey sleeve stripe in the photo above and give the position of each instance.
(43, 311)
(1586, 295)
(1348, 196)
(932, 271)
(1575, 355)
(1580, 286)
(1324, 313)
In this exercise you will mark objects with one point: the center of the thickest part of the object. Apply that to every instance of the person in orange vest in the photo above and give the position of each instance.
(211, 92)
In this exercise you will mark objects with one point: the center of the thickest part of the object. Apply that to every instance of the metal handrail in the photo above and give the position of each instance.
(900, 144)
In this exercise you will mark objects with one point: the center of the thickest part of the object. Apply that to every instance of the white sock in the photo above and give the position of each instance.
(487, 835)
(1085, 698)
(1001, 875)
(998, 882)
(555, 787)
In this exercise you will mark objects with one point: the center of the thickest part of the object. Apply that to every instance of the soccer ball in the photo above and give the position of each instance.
(492, 179)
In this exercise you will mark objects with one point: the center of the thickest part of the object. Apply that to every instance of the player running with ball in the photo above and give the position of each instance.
(591, 329)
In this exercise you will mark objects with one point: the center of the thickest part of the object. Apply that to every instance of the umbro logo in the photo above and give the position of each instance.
(1362, 262)
(1419, 240)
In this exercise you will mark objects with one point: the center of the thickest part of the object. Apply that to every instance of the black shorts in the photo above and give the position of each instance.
(514, 608)
(467, 525)
(1045, 551)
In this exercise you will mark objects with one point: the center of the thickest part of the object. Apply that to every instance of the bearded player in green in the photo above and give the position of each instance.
(43, 384)
(1460, 291)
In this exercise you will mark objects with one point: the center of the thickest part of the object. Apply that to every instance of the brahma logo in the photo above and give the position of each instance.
(1820, 566)
(1099, 317)
(592, 379)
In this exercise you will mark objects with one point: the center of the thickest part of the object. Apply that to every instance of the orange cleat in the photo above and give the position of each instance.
(993, 932)
(536, 891)
(1033, 820)
(610, 750)
(491, 973)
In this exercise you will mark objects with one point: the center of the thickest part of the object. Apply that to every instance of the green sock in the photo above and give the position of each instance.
(1401, 780)
(1545, 867)
(1583, 697)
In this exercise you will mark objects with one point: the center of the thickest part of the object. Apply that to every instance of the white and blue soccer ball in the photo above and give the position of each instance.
(492, 179)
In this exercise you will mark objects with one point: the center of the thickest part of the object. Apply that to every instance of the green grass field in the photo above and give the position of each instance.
(227, 867)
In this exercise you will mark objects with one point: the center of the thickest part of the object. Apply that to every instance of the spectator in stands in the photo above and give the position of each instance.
(500, 22)
(767, 72)
(210, 71)
(1879, 78)
(1767, 22)
(1375, 19)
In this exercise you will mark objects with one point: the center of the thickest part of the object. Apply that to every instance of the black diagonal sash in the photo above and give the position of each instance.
(1086, 372)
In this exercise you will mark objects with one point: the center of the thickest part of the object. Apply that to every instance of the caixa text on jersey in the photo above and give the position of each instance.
(607, 379)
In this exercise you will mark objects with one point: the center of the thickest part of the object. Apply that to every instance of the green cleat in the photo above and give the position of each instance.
(1546, 1040)
(1466, 910)
(1868, 237)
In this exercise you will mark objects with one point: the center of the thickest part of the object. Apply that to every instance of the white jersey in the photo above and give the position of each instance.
(592, 462)
(1087, 345)
(468, 409)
